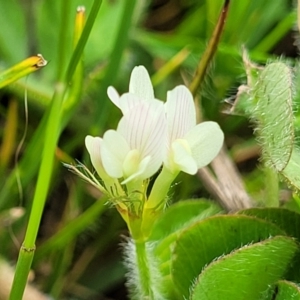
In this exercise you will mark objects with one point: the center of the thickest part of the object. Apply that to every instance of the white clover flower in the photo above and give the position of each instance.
(152, 133)
(135, 150)
(190, 146)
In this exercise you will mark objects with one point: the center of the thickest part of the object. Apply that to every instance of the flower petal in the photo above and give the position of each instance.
(181, 113)
(114, 96)
(128, 101)
(131, 163)
(144, 127)
(93, 145)
(205, 140)
(141, 172)
(113, 153)
(140, 83)
(182, 157)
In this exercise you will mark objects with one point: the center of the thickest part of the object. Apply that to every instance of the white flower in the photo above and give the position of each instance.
(135, 150)
(190, 146)
(140, 91)
(151, 133)
(93, 145)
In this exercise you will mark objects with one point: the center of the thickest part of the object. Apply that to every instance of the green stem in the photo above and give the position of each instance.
(28, 247)
(272, 188)
(210, 50)
(51, 137)
(160, 188)
(83, 39)
(142, 260)
(157, 200)
(62, 40)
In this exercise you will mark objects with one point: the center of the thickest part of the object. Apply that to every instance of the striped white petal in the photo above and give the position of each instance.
(190, 146)
(144, 128)
(113, 153)
(181, 114)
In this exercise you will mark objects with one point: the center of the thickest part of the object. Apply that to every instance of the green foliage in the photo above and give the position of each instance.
(253, 269)
(285, 219)
(169, 226)
(287, 290)
(180, 215)
(274, 114)
(269, 101)
(210, 239)
(194, 252)
(208, 257)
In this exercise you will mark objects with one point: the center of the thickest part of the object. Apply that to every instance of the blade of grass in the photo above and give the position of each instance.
(210, 50)
(83, 39)
(62, 40)
(31, 158)
(52, 133)
(28, 247)
(276, 34)
(170, 66)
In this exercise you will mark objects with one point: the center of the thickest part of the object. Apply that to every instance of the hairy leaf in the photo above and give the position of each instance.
(246, 273)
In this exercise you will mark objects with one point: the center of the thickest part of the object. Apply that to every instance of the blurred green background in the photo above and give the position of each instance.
(80, 258)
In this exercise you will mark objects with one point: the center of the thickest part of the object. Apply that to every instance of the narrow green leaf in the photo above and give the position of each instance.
(213, 237)
(277, 33)
(246, 273)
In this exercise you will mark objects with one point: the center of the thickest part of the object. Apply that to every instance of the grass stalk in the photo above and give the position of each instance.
(27, 250)
(210, 50)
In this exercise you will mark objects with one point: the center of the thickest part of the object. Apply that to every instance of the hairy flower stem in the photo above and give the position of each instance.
(143, 267)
